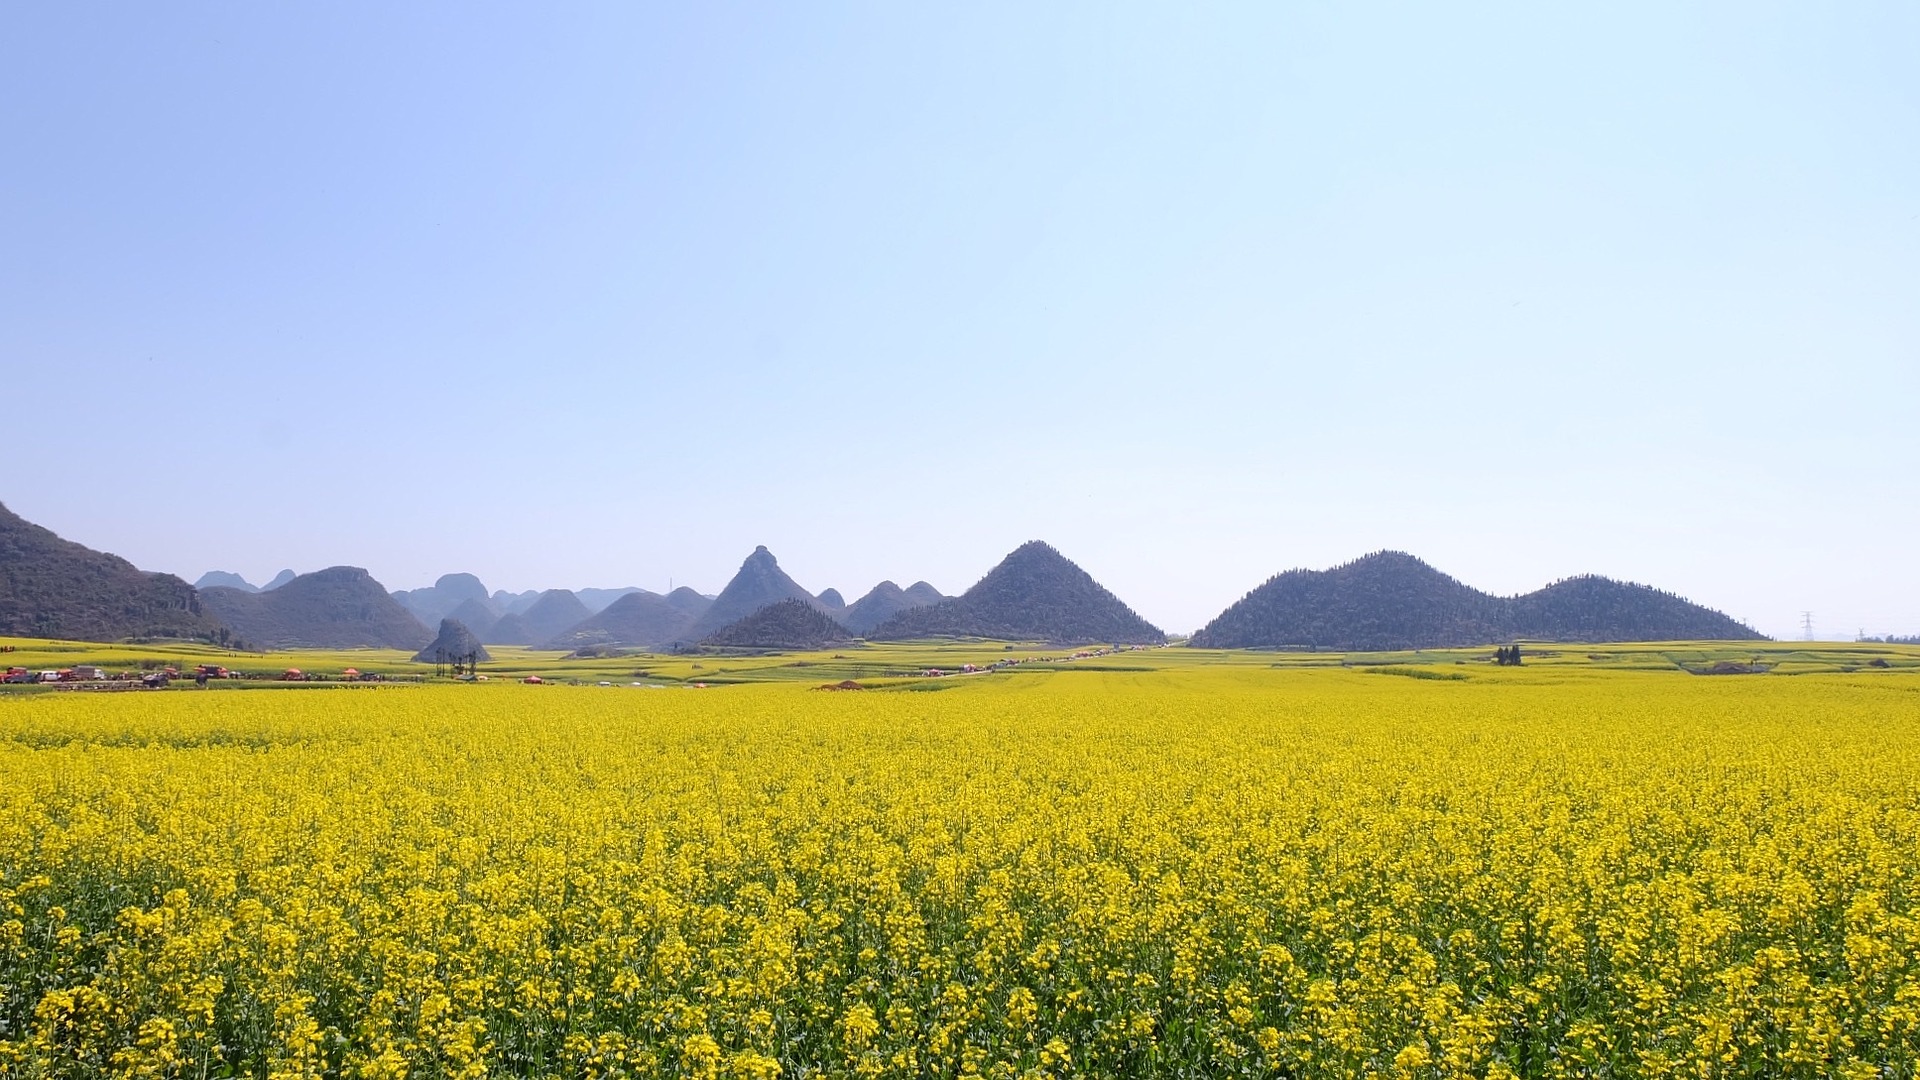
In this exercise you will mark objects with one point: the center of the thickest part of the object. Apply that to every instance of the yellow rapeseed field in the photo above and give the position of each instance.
(1185, 872)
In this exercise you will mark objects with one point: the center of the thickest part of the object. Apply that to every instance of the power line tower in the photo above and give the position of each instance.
(1806, 623)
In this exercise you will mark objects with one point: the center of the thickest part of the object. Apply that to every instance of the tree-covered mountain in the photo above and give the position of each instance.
(759, 582)
(789, 625)
(55, 588)
(883, 602)
(1035, 594)
(341, 607)
(1590, 608)
(1391, 600)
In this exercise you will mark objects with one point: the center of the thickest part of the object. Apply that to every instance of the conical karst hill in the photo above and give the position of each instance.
(789, 625)
(509, 629)
(642, 620)
(556, 612)
(453, 644)
(1035, 594)
(759, 582)
(341, 607)
(55, 588)
(1390, 600)
(1386, 600)
(693, 603)
(883, 602)
(1591, 608)
(476, 615)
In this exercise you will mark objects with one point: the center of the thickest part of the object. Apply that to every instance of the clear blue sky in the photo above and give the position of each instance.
(570, 295)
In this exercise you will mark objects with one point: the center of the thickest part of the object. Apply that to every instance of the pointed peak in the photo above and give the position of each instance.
(761, 559)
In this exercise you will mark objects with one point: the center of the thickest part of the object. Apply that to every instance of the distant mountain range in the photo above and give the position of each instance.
(54, 588)
(1391, 600)
(50, 587)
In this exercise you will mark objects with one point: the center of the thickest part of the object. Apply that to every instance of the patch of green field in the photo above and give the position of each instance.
(907, 663)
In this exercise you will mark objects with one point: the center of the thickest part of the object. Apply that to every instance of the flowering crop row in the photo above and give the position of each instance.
(1177, 873)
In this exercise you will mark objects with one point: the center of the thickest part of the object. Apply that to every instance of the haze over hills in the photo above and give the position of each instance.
(509, 629)
(830, 601)
(1035, 594)
(478, 616)
(597, 600)
(55, 588)
(433, 602)
(556, 611)
(341, 607)
(511, 603)
(884, 601)
(222, 579)
(1391, 600)
(759, 582)
(639, 619)
(790, 624)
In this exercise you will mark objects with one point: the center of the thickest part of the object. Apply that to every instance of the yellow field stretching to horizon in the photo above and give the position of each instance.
(1237, 871)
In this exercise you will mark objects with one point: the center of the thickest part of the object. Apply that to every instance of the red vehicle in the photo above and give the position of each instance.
(212, 671)
(16, 675)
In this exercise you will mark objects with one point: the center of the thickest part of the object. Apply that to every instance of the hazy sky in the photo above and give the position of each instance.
(569, 295)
